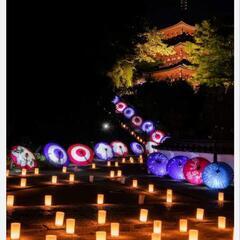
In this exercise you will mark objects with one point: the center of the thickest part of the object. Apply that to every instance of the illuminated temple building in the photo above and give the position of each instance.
(176, 66)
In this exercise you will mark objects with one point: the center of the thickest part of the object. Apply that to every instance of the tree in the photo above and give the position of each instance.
(146, 52)
(211, 55)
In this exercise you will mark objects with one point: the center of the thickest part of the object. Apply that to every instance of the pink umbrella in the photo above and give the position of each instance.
(80, 154)
(137, 121)
(119, 148)
(157, 136)
(120, 107)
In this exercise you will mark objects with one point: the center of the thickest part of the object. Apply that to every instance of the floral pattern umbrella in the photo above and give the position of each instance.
(137, 148)
(157, 136)
(148, 127)
(128, 112)
(120, 106)
(119, 149)
(150, 147)
(137, 121)
(103, 151)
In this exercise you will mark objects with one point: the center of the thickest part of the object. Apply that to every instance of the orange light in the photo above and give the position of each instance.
(7, 173)
(71, 178)
(23, 182)
(143, 215)
(200, 214)
(108, 163)
(151, 188)
(15, 231)
(114, 229)
(101, 235)
(112, 174)
(156, 236)
(193, 234)
(93, 165)
(169, 195)
(24, 172)
(70, 225)
(123, 160)
(116, 164)
(36, 171)
(221, 222)
(135, 183)
(119, 173)
(102, 216)
(48, 200)
(157, 226)
(51, 237)
(100, 198)
(64, 169)
(221, 197)
(59, 219)
(10, 200)
(54, 179)
(183, 225)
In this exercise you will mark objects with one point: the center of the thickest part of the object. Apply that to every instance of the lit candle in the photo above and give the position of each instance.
(24, 171)
(54, 179)
(7, 173)
(200, 214)
(15, 231)
(36, 171)
(221, 222)
(123, 160)
(112, 173)
(71, 177)
(108, 163)
(157, 226)
(141, 160)
(135, 183)
(70, 225)
(10, 200)
(156, 236)
(59, 219)
(116, 164)
(91, 178)
(183, 225)
(151, 188)
(193, 234)
(64, 169)
(93, 165)
(141, 198)
(143, 215)
(48, 200)
(221, 197)
(119, 173)
(100, 198)
(114, 229)
(131, 160)
(101, 235)
(102, 216)
(169, 195)
(51, 237)
(23, 182)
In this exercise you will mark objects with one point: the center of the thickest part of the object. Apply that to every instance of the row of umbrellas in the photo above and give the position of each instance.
(78, 154)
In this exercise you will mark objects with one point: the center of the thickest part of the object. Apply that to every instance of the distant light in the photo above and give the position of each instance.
(105, 126)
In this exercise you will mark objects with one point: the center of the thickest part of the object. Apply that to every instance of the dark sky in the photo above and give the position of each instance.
(57, 54)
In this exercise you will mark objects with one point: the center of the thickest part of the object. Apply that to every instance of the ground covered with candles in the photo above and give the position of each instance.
(122, 203)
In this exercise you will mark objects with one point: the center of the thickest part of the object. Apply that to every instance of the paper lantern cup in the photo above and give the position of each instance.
(115, 100)
(56, 155)
(80, 154)
(137, 148)
(193, 170)
(22, 157)
(150, 147)
(175, 167)
(136, 121)
(157, 136)
(103, 151)
(157, 164)
(119, 149)
(148, 127)
(217, 175)
(120, 106)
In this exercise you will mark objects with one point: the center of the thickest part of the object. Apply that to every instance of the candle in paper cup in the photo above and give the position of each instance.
(200, 214)
(100, 198)
(221, 222)
(10, 200)
(193, 234)
(70, 225)
(151, 188)
(119, 173)
(54, 179)
(123, 160)
(156, 236)
(183, 225)
(36, 171)
(7, 173)
(23, 182)
(169, 195)
(221, 196)
(157, 226)
(24, 171)
(51, 237)
(135, 183)
(71, 177)
(93, 165)
(143, 215)
(141, 199)
(15, 231)
(101, 235)
(48, 200)
(59, 219)
(112, 174)
(115, 229)
(108, 163)
(116, 164)
(64, 169)
(102, 216)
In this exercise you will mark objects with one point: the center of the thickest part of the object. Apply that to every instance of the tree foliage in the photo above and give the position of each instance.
(212, 55)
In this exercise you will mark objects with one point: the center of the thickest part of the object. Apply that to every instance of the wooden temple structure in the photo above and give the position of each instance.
(176, 66)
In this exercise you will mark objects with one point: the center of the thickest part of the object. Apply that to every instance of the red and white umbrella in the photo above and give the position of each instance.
(120, 106)
(119, 148)
(137, 121)
(149, 147)
(22, 157)
(80, 154)
(157, 136)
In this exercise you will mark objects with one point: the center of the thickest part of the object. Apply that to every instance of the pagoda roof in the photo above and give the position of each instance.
(180, 24)
(170, 68)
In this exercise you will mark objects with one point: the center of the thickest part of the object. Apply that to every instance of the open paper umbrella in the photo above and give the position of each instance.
(80, 154)
(193, 170)
(120, 106)
(217, 175)
(115, 100)
(157, 136)
(175, 167)
(157, 164)
(149, 147)
(128, 112)
(22, 157)
(148, 127)
(119, 148)
(103, 151)
(55, 154)
(136, 121)
(137, 148)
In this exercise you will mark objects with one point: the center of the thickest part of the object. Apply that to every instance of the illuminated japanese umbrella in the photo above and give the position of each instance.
(193, 170)
(103, 151)
(22, 157)
(157, 136)
(55, 154)
(120, 106)
(115, 100)
(136, 121)
(149, 147)
(175, 167)
(165, 138)
(80, 154)
(128, 112)
(137, 148)
(148, 127)
(157, 164)
(217, 175)
(119, 148)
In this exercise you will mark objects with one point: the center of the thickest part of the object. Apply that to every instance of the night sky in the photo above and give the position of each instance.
(57, 55)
